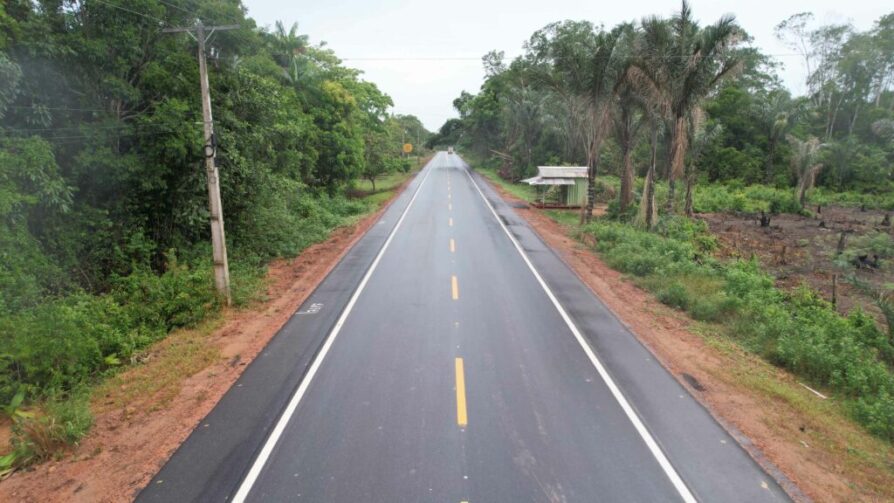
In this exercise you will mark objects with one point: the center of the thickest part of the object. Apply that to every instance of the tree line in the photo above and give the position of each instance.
(101, 144)
(104, 235)
(668, 99)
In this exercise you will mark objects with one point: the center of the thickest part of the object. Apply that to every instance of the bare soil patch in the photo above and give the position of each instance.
(828, 458)
(144, 413)
(800, 250)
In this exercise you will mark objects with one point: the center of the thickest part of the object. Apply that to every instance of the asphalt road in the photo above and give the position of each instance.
(452, 357)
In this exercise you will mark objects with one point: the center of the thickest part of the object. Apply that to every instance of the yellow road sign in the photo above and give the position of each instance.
(408, 148)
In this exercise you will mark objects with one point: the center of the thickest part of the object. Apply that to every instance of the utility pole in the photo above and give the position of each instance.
(215, 208)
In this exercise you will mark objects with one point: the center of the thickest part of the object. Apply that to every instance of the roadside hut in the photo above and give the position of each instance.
(560, 186)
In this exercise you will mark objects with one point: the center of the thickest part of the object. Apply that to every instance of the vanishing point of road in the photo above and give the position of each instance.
(451, 356)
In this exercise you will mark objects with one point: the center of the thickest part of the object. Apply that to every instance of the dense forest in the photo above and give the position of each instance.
(673, 119)
(104, 234)
(711, 104)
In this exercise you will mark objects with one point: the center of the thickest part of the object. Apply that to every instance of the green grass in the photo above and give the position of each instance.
(798, 331)
(567, 218)
(56, 353)
(520, 190)
(795, 330)
(384, 183)
(385, 187)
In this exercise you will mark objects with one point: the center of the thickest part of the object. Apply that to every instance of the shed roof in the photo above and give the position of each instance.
(562, 171)
(539, 180)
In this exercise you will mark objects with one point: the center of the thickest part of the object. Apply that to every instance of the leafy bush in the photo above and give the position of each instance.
(798, 330)
(62, 343)
(46, 434)
(735, 197)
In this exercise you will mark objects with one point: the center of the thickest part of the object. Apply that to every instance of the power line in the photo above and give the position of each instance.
(38, 106)
(88, 127)
(473, 58)
(125, 9)
(173, 6)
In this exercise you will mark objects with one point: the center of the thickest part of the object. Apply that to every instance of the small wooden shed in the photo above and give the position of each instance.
(560, 186)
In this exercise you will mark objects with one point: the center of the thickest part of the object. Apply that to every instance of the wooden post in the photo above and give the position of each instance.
(215, 207)
(218, 239)
(834, 289)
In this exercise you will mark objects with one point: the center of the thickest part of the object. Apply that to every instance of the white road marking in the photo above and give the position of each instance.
(659, 455)
(261, 460)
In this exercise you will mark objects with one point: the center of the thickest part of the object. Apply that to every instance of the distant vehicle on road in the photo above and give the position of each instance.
(449, 150)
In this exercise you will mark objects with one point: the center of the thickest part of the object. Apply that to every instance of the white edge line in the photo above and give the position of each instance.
(286, 416)
(653, 446)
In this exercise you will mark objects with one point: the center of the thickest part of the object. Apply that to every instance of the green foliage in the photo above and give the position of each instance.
(64, 343)
(103, 201)
(798, 331)
(42, 435)
(735, 197)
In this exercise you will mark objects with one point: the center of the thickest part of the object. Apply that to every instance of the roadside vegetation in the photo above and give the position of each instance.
(104, 235)
(754, 211)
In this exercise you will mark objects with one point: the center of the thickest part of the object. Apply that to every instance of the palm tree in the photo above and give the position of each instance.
(804, 164)
(584, 64)
(628, 120)
(701, 135)
(648, 210)
(778, 114)
(287, 50)
(679, 64)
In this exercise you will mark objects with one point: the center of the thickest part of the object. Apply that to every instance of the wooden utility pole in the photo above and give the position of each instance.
(215, 208)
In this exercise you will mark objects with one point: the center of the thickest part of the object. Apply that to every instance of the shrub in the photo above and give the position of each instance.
(798, 330)
(674, 295)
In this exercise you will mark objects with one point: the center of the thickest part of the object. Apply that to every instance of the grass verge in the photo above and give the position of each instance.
(63, 361)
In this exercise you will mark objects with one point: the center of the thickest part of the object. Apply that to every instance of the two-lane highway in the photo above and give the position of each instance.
(465, 363)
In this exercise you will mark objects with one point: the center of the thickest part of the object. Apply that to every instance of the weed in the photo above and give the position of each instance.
(798, 331)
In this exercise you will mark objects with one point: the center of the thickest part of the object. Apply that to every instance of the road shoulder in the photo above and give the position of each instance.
(754, 401)
(135, 433)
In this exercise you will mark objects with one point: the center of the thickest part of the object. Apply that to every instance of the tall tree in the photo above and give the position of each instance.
(777, 114)
(680, 64)
(805, 165)
(586, 60)
(629, 118)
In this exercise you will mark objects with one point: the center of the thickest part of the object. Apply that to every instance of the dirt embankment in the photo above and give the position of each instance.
(143, 414)
(784, 422)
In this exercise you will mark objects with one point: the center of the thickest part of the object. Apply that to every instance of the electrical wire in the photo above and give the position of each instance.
(125, 9)
(88, 127)
(37, 106)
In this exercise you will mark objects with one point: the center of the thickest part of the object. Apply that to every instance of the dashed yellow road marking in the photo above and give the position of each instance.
(454, 286)
(462, 418)
(452, 246)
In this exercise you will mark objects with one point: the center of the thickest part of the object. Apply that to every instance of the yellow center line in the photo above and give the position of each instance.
(461, 417)
(452, 246)
(455, 287)
(451, 221)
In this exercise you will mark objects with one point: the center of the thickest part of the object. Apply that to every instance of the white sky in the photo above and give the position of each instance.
(381, 38)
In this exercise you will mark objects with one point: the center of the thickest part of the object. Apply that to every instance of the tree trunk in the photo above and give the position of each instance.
(690, 181)
(626, 178)
(591, 187)
(649, 188)
(678, 150)
(768, 164)
(586, 210)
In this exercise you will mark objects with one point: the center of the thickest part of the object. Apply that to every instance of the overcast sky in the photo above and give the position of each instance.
(382, 37)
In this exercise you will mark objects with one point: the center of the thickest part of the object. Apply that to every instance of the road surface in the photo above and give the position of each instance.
(452, 357)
